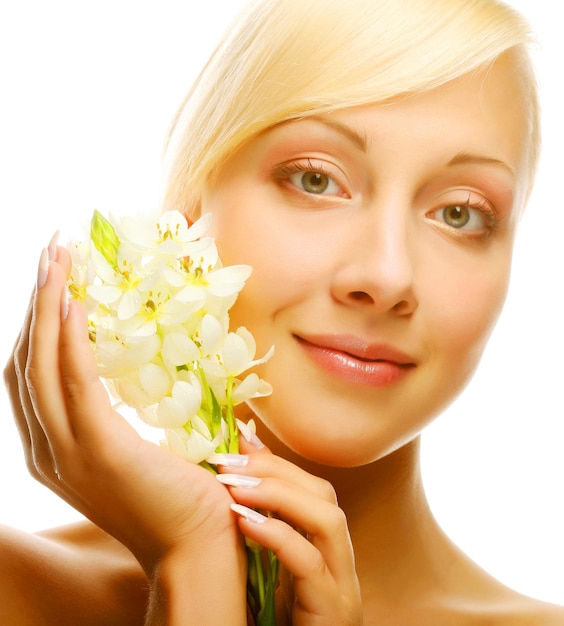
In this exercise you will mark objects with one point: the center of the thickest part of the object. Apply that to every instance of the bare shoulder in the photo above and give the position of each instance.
(511, 610)
(507, 607)
(69, 575)
(531, 612)
(476, 598)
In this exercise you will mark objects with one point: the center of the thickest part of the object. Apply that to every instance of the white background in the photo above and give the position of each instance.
(88, 90)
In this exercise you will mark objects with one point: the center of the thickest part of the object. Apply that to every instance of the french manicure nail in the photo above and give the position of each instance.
(52, 247)
(249, 514)
(237, 480)
(249, 435)
(43, 269)
(228, 460)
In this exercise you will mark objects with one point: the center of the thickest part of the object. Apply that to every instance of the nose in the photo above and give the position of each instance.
(376, 265)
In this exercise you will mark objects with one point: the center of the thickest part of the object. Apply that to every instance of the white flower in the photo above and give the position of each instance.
(181, 406)
(251, 387)
(196, 445)
(175, 234)
(155, 381)
(179, 349)
(238, 353)
(158, 301)
(235, 355)
(193, 447)
(158, 308)
(121, 288)
(202, 277)
(82, 274)
(210, 334)
(116, 357)
(165, 234)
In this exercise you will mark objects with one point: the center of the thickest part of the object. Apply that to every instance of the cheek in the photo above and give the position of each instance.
(465, 311)
(271, 276)
(289, 261)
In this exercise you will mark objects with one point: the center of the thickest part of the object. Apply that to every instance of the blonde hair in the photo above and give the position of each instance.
(287, 59)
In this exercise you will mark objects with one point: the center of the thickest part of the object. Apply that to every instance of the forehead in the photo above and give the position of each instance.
(495, 97)
(499, 92)
(486, 113)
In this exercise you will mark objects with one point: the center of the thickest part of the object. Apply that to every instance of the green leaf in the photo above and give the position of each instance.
(104, 238)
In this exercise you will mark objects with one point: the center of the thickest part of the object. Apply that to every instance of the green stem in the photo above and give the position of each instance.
(230, 419)
(257, 557)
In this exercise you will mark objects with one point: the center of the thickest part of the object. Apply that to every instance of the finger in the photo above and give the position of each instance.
(89, 412)
(37, 450)
(60, 255)
(105, 441)
(42, 395)
(306, 501)
(15, 383)
(37, 373)
(323, 523)
(317, 592)
(35, 445)
(262, 463)
(42, 372)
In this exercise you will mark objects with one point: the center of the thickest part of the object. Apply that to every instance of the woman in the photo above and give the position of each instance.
(381, 260)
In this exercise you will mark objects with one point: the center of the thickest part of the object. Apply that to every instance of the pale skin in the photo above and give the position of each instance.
(343, 218)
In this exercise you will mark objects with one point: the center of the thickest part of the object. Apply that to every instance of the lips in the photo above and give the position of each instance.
(352, 359)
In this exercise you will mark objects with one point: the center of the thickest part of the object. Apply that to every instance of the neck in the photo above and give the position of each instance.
(387, 489)
(389, 521)
(403, 558)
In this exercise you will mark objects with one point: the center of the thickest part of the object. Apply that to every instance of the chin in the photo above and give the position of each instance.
(333, 445)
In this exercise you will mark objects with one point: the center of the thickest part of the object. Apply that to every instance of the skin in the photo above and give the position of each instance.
(372, 257)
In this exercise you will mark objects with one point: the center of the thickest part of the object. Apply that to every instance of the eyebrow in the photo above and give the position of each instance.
(463, 158)
(352, 135)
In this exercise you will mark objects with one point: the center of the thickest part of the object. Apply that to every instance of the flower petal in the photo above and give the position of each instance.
(198, 448)
(228, 280)
(211, 334)
(235, 354)
(179, 349)
(171, 413)
(201, 426)
(154, 380)
(106, 294)
(129, 304)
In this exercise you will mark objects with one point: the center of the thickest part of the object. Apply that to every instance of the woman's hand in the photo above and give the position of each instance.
(308, 533)
(173, 515)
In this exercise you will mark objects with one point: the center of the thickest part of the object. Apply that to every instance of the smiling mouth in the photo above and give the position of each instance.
(352, 360)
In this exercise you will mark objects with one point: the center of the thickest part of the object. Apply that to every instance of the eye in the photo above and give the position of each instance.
(312, 182)
(315, 182)
(459, 215)
(310, 178)
(473, 217)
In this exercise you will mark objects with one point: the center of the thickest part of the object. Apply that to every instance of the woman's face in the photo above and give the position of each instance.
(381, 242)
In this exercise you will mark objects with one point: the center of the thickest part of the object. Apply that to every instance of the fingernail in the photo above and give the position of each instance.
(43, 269)
(52, 247)
(237, 480)
(249, 514)
(249, 435)
(229, 460)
